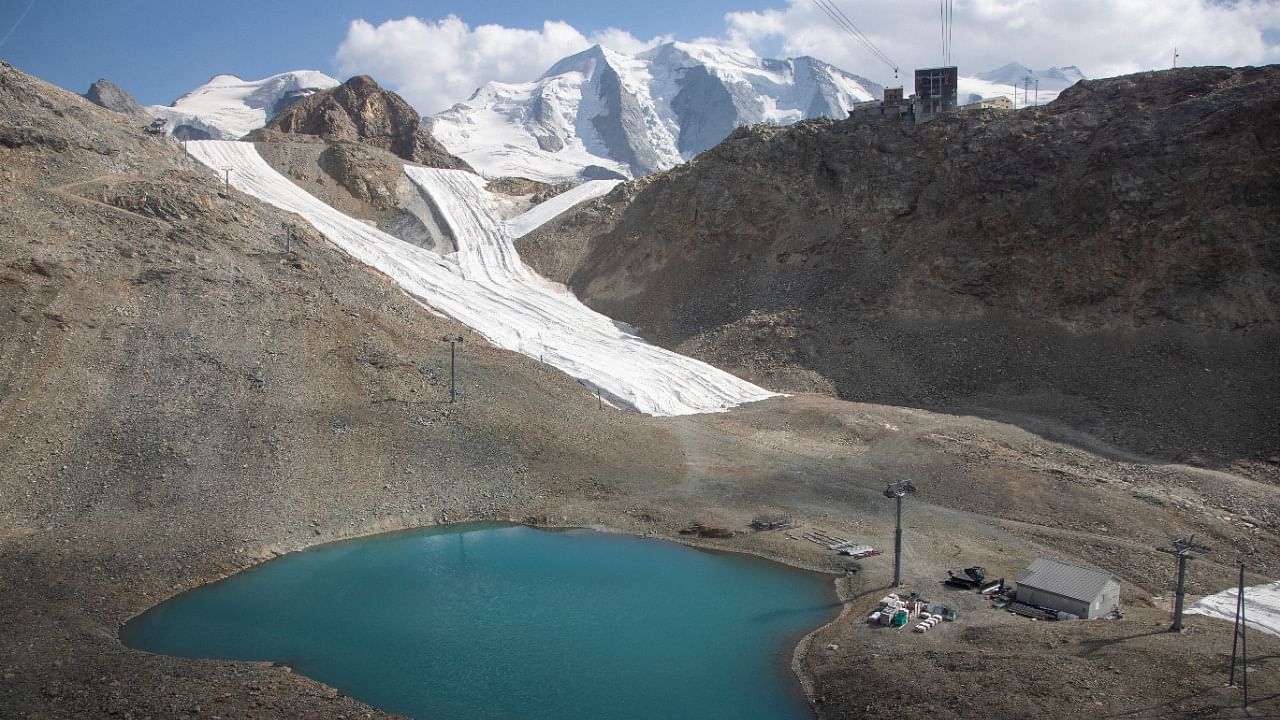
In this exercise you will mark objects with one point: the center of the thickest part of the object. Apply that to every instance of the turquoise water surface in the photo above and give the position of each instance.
(486, 621)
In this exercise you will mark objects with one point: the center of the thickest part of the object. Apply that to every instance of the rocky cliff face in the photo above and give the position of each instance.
(361, 111)
(107, 94)
(1109, 260)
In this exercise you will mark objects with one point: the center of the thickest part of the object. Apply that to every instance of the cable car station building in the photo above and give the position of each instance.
(936, 92)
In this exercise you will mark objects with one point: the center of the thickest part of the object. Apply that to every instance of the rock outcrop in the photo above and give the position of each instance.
(1108, 261)
(107, 94)
(361, 111)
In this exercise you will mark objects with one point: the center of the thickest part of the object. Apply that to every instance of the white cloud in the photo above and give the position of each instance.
(625, 42)
(1103, 37)
(436, 64)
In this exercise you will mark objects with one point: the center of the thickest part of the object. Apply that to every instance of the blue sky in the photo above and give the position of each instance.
(159, 50)
(436, 53)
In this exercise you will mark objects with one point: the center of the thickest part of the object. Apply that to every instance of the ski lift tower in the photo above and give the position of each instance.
(895, 492)
(453, 340)
(1182, 549)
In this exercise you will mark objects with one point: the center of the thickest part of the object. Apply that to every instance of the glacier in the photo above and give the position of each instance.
(484, 285)
(603, 112)
(228, 108)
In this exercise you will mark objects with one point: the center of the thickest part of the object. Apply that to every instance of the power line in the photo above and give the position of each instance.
(843, 22)
(858, 32)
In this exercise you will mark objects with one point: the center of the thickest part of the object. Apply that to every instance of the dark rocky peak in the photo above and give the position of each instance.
(362, 85)
(360, 110)
(107, 94)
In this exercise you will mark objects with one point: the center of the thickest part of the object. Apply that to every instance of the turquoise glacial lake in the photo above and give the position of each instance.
(495, 621)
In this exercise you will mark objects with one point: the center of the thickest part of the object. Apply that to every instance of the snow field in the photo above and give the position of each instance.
(485, 286)
(229, 108)
(498, 129)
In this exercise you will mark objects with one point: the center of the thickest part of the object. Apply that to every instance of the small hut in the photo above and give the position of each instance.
(1080, 591)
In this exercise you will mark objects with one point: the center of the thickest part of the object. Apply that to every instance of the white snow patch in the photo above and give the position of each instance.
(485, 286)
(1261, 607)
(230, 108)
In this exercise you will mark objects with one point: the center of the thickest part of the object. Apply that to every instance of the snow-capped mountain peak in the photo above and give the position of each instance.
(583, 62)
(600, 112)
(1015, 79)
(1054, 78)
(1069, 74)
(227, 107)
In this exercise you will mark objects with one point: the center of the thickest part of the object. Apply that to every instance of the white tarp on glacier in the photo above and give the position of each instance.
(1261, 606)
(485, 286)
(545, 212)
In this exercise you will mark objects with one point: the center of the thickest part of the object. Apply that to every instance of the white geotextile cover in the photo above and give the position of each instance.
(1261, 606)
(545, 212)
(485, 286)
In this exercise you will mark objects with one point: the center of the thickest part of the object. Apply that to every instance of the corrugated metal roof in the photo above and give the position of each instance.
(1059, 578)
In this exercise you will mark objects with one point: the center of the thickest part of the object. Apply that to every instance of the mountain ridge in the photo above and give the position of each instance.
(598, 113)
(359, 110)
(893, 263)
(635, 114)
(228, 108)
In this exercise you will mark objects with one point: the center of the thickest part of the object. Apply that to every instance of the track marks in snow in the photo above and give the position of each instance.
(485, 286)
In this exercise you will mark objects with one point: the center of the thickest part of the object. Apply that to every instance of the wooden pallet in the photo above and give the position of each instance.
(825, 539)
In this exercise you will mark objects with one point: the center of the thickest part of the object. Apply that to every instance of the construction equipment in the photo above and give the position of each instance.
(971, 578)
(774, 521)
(707, 531)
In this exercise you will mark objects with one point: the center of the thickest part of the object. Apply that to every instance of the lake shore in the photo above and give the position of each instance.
(69, 589)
